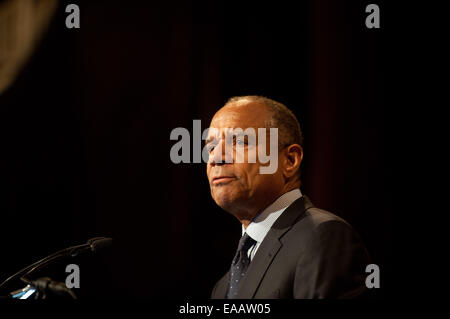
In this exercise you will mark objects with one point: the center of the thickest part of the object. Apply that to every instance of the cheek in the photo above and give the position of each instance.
(263, 182)
(247, 174)
(251, 156)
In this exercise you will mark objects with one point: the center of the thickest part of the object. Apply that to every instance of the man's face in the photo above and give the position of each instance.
(239, 188)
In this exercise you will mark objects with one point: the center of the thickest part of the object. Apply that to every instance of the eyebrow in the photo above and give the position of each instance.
(210, 139)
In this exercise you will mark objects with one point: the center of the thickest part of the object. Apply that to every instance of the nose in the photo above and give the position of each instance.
(219, 155)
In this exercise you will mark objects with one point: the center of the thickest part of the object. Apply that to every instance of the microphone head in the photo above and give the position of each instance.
(98, 243)
(90, 241)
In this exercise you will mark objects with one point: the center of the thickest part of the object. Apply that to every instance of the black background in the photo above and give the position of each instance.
(85, 145)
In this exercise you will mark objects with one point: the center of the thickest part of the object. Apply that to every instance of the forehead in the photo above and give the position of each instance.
(243, 115)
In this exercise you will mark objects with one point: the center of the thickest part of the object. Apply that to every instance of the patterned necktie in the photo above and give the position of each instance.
(239, 265)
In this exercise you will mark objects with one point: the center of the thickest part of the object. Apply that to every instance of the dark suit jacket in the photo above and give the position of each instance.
(308, 253)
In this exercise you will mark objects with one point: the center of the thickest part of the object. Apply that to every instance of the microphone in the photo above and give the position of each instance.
(92, 245)
(44, 284)
(99, 243)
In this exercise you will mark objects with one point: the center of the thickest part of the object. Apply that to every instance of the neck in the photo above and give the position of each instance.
(245, 216)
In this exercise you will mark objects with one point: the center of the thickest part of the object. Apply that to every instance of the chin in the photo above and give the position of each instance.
(225, 198)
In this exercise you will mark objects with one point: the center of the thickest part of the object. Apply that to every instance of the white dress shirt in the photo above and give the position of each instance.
(261, 224)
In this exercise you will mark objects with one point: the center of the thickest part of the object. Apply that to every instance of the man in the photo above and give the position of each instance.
(289, 248)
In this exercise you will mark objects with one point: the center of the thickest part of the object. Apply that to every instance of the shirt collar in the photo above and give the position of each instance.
(261, 224)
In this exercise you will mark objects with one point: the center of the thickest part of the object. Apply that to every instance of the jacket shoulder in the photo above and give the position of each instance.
(316, 225)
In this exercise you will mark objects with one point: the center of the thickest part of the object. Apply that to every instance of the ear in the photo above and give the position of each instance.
(293, 156)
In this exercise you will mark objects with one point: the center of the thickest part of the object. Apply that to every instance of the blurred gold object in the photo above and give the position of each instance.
(22, 24)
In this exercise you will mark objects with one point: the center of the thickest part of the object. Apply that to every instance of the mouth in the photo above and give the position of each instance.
(222, 180)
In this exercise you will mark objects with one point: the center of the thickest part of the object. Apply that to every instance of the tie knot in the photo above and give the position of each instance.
(246, 242)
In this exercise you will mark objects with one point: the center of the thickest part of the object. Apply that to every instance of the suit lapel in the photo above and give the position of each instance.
(258, 267)
(270, 247)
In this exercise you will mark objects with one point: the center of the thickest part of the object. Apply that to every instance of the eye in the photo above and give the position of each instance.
(210, 147)
(240, 141)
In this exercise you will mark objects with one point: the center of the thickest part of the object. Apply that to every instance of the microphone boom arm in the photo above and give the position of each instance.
(91, 245)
